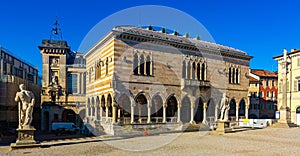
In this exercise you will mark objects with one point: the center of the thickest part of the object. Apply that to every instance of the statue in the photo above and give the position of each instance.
(26, 102)
(224, 106)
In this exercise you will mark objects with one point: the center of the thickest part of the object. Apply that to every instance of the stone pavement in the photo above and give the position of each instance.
(269, 141)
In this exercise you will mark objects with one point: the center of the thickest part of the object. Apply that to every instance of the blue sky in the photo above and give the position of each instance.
(261, 28)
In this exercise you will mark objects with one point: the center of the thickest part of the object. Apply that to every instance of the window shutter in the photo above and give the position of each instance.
(295, 85)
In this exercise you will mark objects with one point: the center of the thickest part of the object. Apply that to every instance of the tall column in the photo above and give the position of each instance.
(132, 114)
(149, 115)
(106, 114)
(246, 111)
(178, 111)
(101, 112)
(164, 113)
(204, 113)
(114, 113)
(284, 116)
(192, 113)
(237, 113)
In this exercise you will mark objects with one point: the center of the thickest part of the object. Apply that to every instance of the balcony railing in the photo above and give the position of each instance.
(189, 82)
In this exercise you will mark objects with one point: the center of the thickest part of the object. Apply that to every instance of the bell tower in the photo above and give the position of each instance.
(55, 53)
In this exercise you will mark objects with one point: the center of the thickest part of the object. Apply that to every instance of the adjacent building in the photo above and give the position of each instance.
(289, 69)
(141, 76)
(13, 72)
(63, 82)
(263, 90)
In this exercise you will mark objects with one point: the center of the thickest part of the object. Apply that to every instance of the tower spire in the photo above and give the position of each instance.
(56, 33)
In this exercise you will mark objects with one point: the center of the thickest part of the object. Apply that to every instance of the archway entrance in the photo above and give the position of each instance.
(199, 111)
(141, 109)
(298, 115)
(124, 106)
(242, 108)
(171, 109)
(185, 110)
(157, 109)
(232, 110)
(69, 116)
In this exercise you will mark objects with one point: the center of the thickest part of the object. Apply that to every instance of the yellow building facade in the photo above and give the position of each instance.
(293, 85)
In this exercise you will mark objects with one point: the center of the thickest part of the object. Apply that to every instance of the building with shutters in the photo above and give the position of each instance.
(292, 85)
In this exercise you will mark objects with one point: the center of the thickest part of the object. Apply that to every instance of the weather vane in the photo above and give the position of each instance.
(56, 33)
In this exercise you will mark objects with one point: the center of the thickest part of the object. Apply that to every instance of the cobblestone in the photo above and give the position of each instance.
(269, 141)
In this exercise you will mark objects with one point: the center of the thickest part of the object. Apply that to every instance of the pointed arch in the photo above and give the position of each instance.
(189, 70)
(237, 76)
(148, 65)
(109, 104)
(135, 64)
(98, 107)
(198, 115)
(157, 106)
(242, 108)
(172, 106)
(232, 109)
(203, 72)
(183, 69)
(198, 71)
(142, 64)
(185, 111)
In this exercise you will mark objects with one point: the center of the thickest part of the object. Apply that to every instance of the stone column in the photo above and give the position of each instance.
(164, 113)
(101, 112)
(132, 114)
(114, 112)
(237, 113)
(204, 113)
(246, 111)
(178, 111)
(106, 114)
(192, 113)
(149, 115)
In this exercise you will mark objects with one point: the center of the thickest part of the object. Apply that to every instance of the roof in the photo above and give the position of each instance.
(292, 52)
(263, 73)
(252, 79)
(178, 39)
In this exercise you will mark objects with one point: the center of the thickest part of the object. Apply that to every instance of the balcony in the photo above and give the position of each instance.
(195, 83)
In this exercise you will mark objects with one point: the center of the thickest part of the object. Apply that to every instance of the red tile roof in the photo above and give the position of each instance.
(263, 73)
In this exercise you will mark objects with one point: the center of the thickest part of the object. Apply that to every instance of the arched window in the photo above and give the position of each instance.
(229, 75)
(198, 71)
(189, 70)
(98, 70)
(135, 64)
(183, 70)
(203, 72)
(233, 75)
(193, 70)
(237, 76)
(106, 68)
(142, 65)
(148, 65)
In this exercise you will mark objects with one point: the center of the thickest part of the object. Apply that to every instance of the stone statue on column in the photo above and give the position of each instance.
(224, 106)
(26, 102)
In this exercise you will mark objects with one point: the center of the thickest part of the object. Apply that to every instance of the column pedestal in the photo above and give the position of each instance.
(223, 127)
(25, 139)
